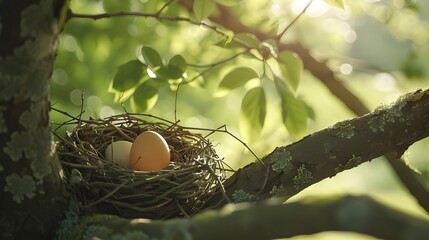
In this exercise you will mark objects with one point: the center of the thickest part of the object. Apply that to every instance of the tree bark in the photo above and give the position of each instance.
(270, 220)
(290, 169)
(412, 180)
(31, 201)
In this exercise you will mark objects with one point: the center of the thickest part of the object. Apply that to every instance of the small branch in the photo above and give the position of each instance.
(164, 7)
(150, 15)
(224, 129)
(211, 65)
(411, 180)
(280, 35)
(272, 220)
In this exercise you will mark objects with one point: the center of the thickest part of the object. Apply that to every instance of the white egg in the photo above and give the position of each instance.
(119, 153)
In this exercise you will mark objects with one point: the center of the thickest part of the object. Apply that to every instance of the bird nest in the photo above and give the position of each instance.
(194, 174)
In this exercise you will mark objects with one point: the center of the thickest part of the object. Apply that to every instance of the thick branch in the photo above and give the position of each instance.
(271, 220)
(321, 71)
(328, 152)
(412, 181)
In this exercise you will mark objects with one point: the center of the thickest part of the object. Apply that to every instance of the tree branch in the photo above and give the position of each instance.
(408, 177)
(325, 153)
(280, 35)
(269, 220)
(412, 180)
(141, 14)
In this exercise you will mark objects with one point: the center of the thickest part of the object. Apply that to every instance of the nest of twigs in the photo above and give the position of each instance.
(100, 186)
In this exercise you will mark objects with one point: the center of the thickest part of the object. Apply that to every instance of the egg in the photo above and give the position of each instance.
(149, 152)
(118, 152)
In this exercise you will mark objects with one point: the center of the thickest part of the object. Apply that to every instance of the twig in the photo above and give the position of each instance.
(176, 96)
(221, 187)
(224, 129)
(82, 102)
(72, 118)
(150, 15)
(219, 62)
(164, 7)
(209, 67)
(280, 35)
(120, 132)
(411, 180)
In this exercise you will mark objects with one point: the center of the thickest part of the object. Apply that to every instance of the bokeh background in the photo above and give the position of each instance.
(379, 48)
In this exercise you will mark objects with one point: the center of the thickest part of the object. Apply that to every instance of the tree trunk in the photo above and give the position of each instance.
(32, 201)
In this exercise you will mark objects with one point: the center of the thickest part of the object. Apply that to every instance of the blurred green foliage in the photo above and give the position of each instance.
(95, 57)
(379, 48)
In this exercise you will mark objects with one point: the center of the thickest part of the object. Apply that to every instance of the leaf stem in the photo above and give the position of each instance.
(280, 35)
(164, 7)
(220, 62)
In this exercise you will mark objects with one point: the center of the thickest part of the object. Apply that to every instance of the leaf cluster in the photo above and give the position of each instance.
(142, 79)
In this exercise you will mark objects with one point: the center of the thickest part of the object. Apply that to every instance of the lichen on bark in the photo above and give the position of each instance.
(20, 187)
(242, 196)
(302, 177)
(393, 113)
(282, 161)
(278, 191)
(30, 181)
(3, 127)
(345, 129)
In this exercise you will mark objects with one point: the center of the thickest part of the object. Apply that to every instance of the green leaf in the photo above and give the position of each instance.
(248, 39)
(203, 8)
(268, 73)
(115, 6)
(241, 40)
(310, 112)
(253, 110)
(128, 75)
(146, 95)
(294, 111)
(291, 67)
(228, 3)
(175, 68)
(169, 72)
(236, 78)
(179, 62)
(151, 57)
(336, 3)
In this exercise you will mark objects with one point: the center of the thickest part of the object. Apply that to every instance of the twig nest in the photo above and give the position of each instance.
(94, 158)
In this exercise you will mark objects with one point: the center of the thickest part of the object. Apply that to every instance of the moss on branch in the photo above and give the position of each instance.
(271, 219)
(325, 153)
